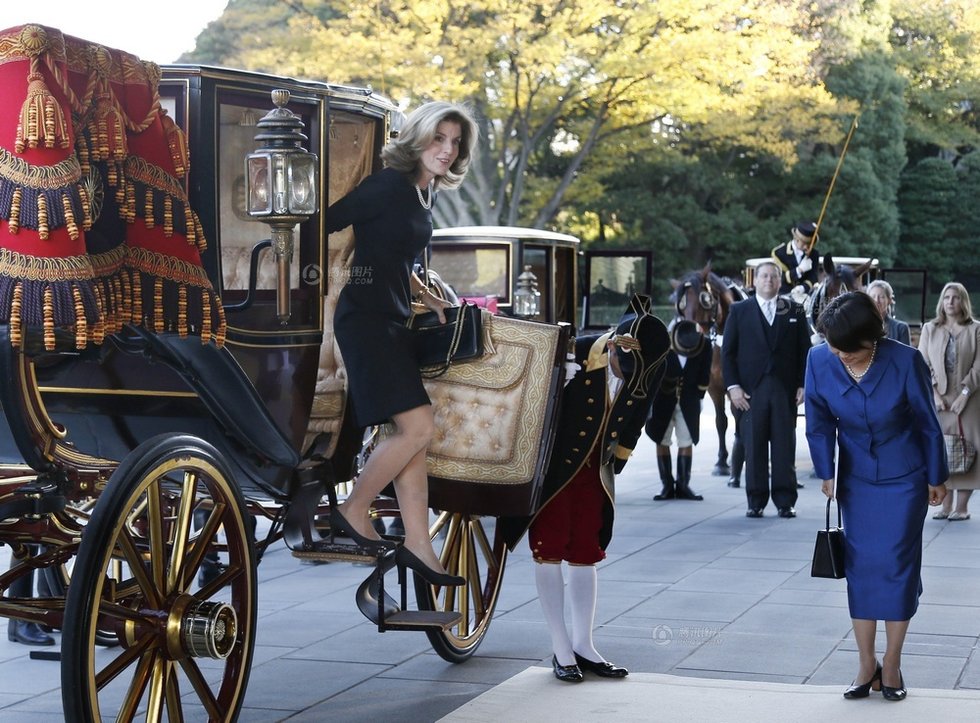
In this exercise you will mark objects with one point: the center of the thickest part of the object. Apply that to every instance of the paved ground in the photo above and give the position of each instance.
(715, 614)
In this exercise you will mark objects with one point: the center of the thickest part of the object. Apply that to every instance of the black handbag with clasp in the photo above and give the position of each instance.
(828, 553)
(439, 345)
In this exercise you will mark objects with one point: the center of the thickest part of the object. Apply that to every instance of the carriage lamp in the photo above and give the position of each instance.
(281, 187)
(527, 298)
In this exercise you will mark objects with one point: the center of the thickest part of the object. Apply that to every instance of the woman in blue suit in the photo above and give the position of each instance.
(871, 398)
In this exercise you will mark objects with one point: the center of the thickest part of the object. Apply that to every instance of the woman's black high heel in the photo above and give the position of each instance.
(404, 558)
(863, 690)
(899, 693)
(340, 525)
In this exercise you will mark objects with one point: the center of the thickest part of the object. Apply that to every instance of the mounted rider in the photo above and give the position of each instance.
(798, 260)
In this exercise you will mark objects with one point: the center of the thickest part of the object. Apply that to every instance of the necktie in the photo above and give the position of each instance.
(769, 309)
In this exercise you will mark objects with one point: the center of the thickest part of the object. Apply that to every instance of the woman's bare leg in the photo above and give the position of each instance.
(412, 490)
(864, 636)
(413, 430)
(962, 500)
(892, 662)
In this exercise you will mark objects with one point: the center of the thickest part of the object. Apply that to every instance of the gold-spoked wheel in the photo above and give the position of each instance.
(472, 549)
(185, 649)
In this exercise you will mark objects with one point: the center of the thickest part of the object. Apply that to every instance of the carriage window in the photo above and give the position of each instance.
(611, 281)
(538, 259)
(238, 234)
(474, 269)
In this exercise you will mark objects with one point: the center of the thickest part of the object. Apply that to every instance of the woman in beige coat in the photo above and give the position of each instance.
(950, 344)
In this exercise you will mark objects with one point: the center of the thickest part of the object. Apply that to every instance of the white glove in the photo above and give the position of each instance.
(798, 294)
(805, 265)
(571, 368)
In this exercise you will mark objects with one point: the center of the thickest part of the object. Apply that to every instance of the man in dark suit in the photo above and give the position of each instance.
(763, 364)
(603, 409)
(798, 260)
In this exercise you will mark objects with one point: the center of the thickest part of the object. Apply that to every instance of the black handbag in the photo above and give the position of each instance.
(828, 553)
(439, 345)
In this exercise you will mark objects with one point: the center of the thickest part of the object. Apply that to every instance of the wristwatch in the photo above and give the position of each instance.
(965, 392)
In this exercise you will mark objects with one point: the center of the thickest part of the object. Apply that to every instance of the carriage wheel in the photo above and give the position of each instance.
(467, 551)
(136, 575)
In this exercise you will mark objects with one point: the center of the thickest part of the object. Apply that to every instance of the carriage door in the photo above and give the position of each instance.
(610, 278)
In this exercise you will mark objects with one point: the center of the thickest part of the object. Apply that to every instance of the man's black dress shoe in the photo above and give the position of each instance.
(734, 482)
(567, 673)
(899, 693)
(603, 669)
(20, 631)
(787, 512)
(753, 512)
(863, 690)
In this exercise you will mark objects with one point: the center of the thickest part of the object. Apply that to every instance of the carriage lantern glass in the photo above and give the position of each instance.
(281, 186)
(527, 298)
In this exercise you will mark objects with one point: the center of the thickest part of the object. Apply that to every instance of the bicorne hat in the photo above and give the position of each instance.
(642, 342)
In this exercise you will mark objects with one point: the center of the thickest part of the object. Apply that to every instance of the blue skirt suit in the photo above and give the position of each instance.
(890, 450)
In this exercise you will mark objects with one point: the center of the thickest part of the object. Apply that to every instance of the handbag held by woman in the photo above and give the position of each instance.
(959, 452)
(439, 345)
(828, 553)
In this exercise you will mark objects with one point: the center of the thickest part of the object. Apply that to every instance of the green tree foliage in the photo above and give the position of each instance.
(927, 195)
(697, 128)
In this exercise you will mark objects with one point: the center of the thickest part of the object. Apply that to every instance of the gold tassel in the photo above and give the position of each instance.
(69, 217)
(219, 338)
(112, 177)
(206, 301)
(118, 304)
(148, 207)
(98, 330)
(125, 314)
(168, 215)
(110, 129)
(41, 116)
(202, 243)
(48, 319)
(177, 142)
(158, 306)
(189, 225)
(84, 155)
(15, 306)
(42, 217)
(130, 204)
(13, 223)
(86, 207)
(81, 323)
(182, 311)
(137, 315)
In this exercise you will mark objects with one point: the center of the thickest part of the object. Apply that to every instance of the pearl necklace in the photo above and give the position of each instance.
(856, 376)
(425, 204)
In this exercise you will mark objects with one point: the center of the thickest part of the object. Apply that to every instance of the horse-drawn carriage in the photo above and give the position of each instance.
(173, 397)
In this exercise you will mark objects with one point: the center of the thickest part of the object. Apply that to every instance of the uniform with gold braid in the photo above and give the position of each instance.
(95, 227)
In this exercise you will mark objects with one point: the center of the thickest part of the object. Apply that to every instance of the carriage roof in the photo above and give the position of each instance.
(849, 260)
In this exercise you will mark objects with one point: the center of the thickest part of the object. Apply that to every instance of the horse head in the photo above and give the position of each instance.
(703, 297)
(838, 279)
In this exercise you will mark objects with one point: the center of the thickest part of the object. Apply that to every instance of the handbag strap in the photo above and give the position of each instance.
(959, 421)
(839, 519)
(443, 367)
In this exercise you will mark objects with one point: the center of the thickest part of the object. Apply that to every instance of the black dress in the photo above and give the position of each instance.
(391, 230)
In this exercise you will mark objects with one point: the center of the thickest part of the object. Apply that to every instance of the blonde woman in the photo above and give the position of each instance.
(392, 219)
(950, 344)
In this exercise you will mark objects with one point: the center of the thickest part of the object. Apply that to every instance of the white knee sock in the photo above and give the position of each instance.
(582, 587)
(551, 593)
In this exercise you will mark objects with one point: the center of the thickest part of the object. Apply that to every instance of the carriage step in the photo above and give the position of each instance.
(323, 551)
(421, 620)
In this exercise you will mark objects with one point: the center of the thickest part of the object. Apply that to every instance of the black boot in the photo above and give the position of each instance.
(666, 476)
(738, 460)
(684, 491)
(21, 631)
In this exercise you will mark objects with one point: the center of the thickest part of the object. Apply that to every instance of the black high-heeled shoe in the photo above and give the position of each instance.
(899, 693)
(340, 525)
(863, 690)
(405, 558)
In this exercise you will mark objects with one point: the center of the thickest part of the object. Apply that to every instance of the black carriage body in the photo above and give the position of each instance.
(110, 399)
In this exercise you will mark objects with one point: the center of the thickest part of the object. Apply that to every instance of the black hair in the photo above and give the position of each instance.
(850, 321)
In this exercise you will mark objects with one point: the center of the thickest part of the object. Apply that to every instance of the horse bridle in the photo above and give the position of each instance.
(707, 301)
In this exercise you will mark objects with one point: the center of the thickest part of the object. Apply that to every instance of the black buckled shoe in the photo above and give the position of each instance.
(864, 690)
(895, 694)
(787, 512)
(20, 631)
(753, 512)
(603, 669)
(567, 673)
